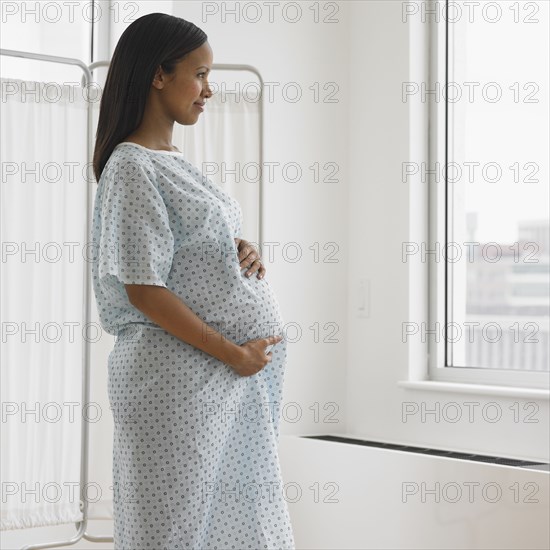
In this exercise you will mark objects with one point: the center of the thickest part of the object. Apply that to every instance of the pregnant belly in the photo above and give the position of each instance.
(257, 308)
(240, 308)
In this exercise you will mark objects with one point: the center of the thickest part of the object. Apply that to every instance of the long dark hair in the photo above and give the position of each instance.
(152, 40)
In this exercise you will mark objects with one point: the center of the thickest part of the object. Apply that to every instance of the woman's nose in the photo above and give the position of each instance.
(208, 91)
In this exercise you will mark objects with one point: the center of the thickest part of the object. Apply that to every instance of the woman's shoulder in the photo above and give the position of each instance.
(127, 150)
(126, 157)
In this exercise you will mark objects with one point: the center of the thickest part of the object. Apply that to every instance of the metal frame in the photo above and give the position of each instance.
(87, 79)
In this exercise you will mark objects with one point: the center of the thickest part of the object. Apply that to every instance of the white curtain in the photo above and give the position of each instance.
(43, 224)
(43, 205)
(224, 144)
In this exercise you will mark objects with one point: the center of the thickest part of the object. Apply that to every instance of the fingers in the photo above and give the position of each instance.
(269, 342)
(256, 262)
(261, 271)
(245, 250)
(247, 260)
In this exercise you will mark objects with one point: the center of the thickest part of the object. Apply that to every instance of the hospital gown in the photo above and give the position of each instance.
(195, 461)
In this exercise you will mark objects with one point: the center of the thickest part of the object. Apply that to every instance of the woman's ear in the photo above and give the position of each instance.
(158, 79)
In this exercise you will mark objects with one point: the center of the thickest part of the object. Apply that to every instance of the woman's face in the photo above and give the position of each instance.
(181, 91)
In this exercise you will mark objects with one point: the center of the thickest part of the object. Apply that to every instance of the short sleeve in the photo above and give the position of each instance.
(136, 242)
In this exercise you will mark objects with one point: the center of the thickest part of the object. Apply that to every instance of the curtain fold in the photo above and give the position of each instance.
(43, 224)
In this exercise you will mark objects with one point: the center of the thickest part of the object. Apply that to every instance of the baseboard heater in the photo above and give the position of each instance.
(348, 491)
(503, 461)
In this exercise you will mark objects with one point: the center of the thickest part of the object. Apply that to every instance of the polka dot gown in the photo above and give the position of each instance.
(195, 461)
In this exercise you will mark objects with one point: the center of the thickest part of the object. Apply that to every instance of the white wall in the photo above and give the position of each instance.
(47, 28)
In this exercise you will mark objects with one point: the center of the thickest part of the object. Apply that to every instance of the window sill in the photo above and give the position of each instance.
(479, 389)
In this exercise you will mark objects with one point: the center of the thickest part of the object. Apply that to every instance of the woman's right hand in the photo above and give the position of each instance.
(252, 357)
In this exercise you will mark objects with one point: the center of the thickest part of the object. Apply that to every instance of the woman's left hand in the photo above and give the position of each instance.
(250, 258)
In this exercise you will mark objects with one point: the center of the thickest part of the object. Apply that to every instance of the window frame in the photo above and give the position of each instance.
(440, 273)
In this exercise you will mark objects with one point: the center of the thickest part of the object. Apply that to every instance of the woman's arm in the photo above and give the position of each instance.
(169, 312)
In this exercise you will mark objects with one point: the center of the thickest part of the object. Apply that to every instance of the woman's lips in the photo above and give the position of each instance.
(200, 106)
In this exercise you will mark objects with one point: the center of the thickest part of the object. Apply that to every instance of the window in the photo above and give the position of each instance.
(490, 276)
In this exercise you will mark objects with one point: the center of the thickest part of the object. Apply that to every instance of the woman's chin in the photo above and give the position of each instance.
(188, 120)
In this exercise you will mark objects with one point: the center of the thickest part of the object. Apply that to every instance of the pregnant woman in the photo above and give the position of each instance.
(194, 390)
